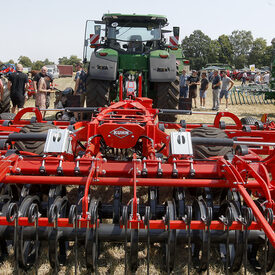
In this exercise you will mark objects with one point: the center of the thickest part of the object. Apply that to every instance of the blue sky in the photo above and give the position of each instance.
(55, 28)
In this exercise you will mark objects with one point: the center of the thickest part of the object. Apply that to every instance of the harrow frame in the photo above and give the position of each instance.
(122, 127)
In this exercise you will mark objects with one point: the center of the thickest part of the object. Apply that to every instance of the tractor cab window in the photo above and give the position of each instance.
(132, 38)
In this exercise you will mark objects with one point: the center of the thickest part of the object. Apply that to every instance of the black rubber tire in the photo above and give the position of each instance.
(167, 97)
(98, 93)
(7, 116)
(248, 120)
(36, 147)
(202, 151)
(5, 103)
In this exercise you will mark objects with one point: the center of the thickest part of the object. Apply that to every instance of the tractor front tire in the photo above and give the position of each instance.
(98, 93)
(36, 147)
(167, 97)
(5, 103)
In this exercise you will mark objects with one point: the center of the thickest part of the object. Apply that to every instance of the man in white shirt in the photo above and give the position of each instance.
(266, 78)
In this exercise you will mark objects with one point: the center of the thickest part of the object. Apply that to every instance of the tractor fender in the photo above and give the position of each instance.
(162, 66)
(103, 64)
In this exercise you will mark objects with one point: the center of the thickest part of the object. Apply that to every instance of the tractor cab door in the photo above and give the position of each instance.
(92, 38)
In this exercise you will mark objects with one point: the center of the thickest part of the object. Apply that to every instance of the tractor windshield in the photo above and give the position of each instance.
(128, 33)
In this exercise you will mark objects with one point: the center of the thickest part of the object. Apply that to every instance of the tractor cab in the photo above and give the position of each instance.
(133, 34)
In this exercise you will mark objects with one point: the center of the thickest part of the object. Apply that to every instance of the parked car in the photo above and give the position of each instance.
(250, 76)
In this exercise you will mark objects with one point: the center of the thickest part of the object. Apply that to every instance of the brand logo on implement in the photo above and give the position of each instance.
(121, 132)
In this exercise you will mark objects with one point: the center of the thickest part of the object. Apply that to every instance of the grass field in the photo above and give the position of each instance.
(111, 260)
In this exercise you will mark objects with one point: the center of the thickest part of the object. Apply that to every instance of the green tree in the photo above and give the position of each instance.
(258, 53)
(37, 65)
(196, 49)
(225, 50)
(241, 42)
(25, 61)
(73, 60)
(214, 50)
(48, 62)
(11, 61)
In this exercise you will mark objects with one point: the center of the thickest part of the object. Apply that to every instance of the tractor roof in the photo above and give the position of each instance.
(149, 18)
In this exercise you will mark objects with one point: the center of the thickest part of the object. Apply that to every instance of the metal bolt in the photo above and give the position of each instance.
(109, 136)
(132, 136)
(103, 172)
(18, 170)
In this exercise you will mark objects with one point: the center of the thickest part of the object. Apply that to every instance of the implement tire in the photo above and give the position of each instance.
(204, 151)
(249, 120)
(7, 116)
(167, 97)
(36, 147)
(5, 103)
(98, 93)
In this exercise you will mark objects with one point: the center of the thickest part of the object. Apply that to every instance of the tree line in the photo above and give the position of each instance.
(239, 50)
(37, 65)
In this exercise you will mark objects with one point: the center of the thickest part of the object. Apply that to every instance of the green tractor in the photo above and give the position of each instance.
(131, 58)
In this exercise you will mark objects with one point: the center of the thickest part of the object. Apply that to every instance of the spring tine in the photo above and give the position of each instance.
(36, 243)
(33, 217)
(248, 218)
(12, 216)
(73, 219)
(56, 240)
(125, 224)
(227, 250)
(147, 218)
(209, 219)
(227, 221)
(269, 217)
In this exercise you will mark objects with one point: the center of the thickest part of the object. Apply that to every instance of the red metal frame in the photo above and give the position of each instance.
(122, 125)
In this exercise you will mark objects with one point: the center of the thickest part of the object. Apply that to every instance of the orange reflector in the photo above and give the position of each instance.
(186, 62)
(163, 55)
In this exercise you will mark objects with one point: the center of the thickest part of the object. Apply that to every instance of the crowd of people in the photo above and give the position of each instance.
(221, 86)
(19, 84)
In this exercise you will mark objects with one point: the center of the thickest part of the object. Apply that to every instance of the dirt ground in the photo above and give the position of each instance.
(255, 110)
(111, 260)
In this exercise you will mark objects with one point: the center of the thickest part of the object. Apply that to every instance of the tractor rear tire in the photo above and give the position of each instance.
(204, 151)
(98, 93)
(248, 120)
(36, 147)
(167, 97)
(5, 103)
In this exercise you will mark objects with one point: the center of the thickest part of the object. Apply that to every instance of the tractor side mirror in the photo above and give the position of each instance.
(125, 46)
(176, 31)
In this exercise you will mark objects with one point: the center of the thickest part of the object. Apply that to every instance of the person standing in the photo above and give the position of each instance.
(183, 85)
(42, 91)
(257, 78)
(204, 87)
(266, 78)
(17, 85)
(1, 88)
(226, 81)
(244, 77)
(43, 73)
(80, 85)
(216, 87)
(193, 81)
